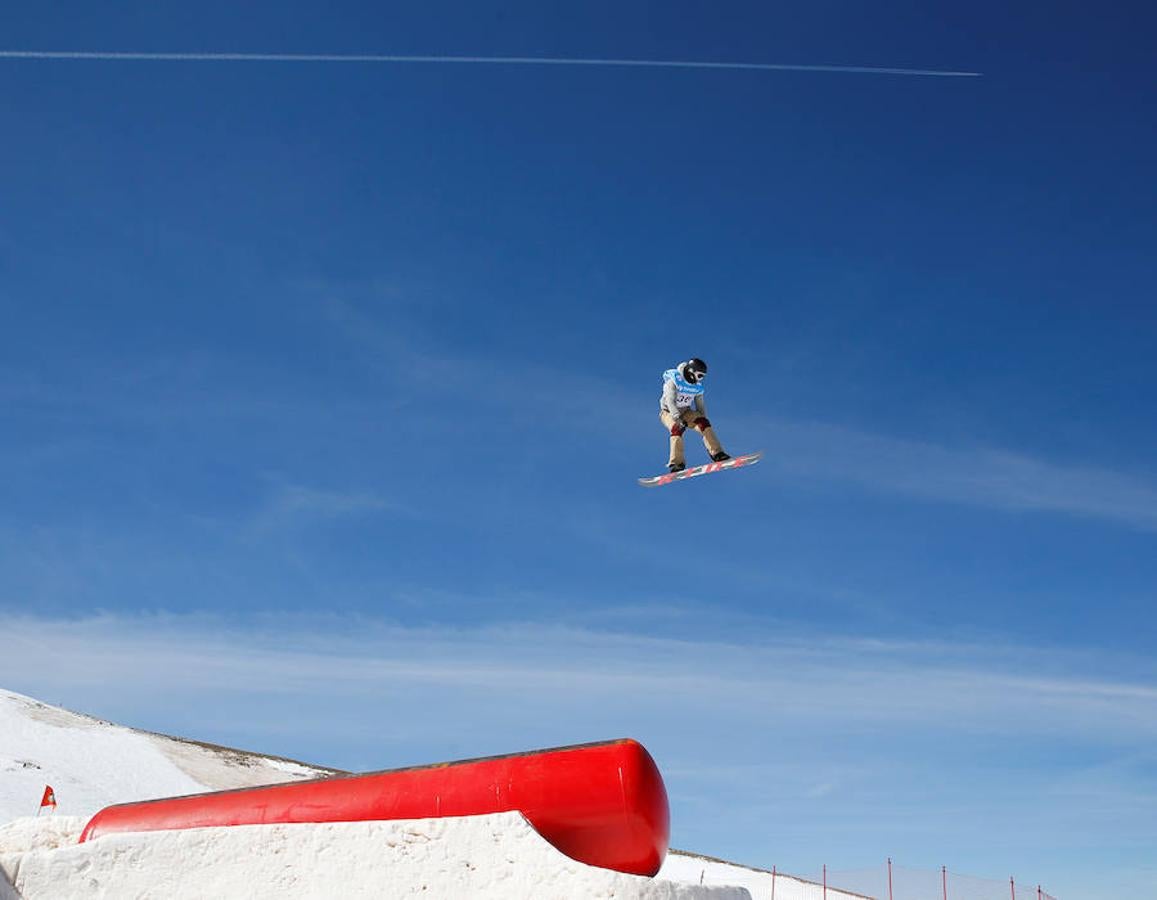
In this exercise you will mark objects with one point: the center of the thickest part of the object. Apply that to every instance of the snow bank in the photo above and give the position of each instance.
(497, 856)
(40, 833)
(687, 867)
(7, 891)
(31, 834)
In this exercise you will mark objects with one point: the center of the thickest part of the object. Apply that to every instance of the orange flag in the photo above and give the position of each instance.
(49, 798)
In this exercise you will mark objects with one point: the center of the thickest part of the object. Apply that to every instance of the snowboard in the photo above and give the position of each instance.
(735, 462)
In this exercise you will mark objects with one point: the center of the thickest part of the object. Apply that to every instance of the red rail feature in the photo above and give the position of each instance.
(602, 804)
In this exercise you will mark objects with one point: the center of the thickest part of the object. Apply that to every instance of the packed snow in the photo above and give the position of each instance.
(495, 856)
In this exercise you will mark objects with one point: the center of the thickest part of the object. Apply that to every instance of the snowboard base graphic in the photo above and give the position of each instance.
(736, 462)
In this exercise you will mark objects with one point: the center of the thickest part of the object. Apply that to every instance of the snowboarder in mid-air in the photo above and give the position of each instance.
(681, 407)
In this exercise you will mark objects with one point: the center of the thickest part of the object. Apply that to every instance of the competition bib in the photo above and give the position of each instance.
(685, 391)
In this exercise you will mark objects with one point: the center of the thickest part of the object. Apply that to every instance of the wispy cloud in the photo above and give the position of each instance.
(977, 475)
(537, 393)
(290, 505)
(852, 683)
(418, 373)
(294, 498)
(973, 475)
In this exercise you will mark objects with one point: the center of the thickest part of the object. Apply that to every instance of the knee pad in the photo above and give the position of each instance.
(702, 424)
(677, 430)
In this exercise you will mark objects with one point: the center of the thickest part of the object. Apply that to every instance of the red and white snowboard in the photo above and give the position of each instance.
(735, 462)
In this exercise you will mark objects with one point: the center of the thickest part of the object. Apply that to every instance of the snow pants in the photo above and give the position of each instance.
(688, 419)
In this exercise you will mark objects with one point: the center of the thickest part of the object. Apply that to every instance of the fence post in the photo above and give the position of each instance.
(890, 879)
(773, 883)
(826, 883)
(1038, 892)
(944, 880)
(1012, 887)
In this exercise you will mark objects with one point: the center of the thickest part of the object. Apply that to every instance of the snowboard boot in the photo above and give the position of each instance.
(720, 456)
(676, 467)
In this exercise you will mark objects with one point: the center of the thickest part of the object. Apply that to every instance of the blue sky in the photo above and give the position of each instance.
(324, 388)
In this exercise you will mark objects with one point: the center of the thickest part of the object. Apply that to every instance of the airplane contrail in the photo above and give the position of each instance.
(469, 60)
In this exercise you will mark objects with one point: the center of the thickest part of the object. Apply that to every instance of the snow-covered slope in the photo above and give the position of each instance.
(91, 763)
(760, 883)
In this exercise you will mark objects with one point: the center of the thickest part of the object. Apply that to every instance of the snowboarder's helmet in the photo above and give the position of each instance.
(694, 369)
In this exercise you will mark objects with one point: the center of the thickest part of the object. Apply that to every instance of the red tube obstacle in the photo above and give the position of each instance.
(602, 804)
